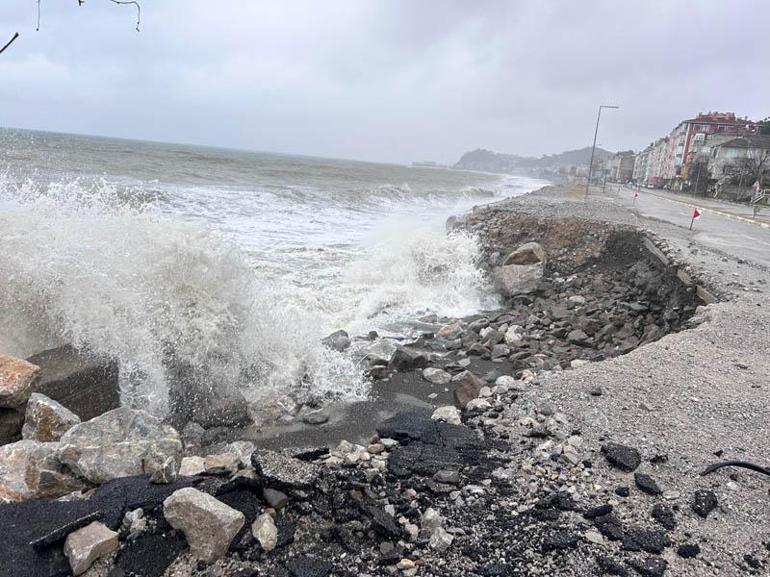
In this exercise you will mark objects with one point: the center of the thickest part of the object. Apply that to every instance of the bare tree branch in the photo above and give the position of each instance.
(15, 36)
(138, 10)
(134, 2)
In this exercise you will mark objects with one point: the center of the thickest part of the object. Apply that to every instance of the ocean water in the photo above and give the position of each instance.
(235, 262)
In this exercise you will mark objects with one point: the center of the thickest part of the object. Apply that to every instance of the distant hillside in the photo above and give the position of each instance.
(489, 161)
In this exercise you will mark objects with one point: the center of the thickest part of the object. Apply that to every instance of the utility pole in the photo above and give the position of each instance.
(593, 146)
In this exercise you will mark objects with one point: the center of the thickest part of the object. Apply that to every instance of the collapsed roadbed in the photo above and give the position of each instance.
(572, 428)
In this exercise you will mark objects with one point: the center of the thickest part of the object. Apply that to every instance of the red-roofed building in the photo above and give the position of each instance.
(690, 134)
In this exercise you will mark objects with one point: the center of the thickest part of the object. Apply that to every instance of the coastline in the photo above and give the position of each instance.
(527, 466)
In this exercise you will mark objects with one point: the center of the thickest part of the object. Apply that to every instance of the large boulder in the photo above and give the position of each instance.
(46, 420)
(120, 443)
(31, 470)
(522, 271)
(196, 395)
(86, 545)
(208, 524)
(17, 377)
(516, 279)
(88, 386)
(529, 253)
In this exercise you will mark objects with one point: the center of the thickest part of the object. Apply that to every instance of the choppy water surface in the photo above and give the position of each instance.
(234, 261)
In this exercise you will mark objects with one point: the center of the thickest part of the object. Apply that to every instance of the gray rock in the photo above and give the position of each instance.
(46, 420)
(338, 341)
(593, 537)
(282, 471)
(275, 499)
(208, 524)
(467, 387)
(664, 515)
(492, 337)
(647, 484)
(500, 351)
(643, 539)
(134, 522)
(451, 331)
(404, 360)
(196, 395)
(120, 443)
(478, 404)
(242, 450)
(30, 470)
(514, 335)
(192, 466)
(222, 462)
(436, 376)
(192, 435)
(578, 337)
(447, 476)
(17, 377)
(528, 253)
(318, 417)
(521, 271)
(479, 324)
(87, 386)
(166, 473)
(378, 372)
(623, 457)
(383, 350)
(430, 520)
(448, 414)
(11, 422)
(704, 502)
(506, 382)
(264, 530)
(440, 539)
(88, 544)
(512, 280)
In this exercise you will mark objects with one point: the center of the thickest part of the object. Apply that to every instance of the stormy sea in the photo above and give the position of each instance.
(238, 263)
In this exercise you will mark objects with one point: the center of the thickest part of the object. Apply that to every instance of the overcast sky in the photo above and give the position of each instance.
(383, 80)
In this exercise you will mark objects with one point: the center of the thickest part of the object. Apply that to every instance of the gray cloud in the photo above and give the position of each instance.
(383, 80)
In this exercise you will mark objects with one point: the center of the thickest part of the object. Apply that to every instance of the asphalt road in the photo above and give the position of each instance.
(732, 236)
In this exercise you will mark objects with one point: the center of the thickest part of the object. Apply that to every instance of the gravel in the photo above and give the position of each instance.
(688, 395)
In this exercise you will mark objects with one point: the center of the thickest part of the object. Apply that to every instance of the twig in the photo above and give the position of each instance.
(134, 2)
(15, 36)
(138, 10)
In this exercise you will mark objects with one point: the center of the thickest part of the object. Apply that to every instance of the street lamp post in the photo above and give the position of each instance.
(593, 147)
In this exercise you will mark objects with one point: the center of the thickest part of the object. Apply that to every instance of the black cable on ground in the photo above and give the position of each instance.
(743, 464)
